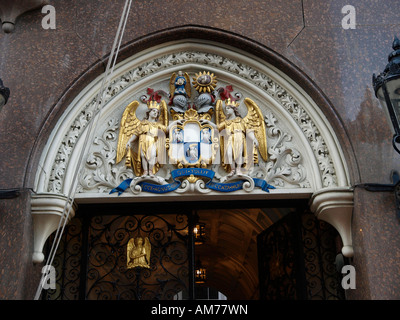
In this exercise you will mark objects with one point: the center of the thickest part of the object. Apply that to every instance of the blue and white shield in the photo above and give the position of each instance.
(192, 144)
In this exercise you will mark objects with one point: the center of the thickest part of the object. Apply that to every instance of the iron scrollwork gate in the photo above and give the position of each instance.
(296, 260)
(92, 260)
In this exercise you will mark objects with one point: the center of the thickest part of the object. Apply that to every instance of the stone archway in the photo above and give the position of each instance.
(306, 160)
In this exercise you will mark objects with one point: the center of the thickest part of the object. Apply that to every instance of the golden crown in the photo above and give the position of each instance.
(231, 103)
(153, 105)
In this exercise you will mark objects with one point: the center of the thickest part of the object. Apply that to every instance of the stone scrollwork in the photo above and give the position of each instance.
(284, 167)
(100, 172)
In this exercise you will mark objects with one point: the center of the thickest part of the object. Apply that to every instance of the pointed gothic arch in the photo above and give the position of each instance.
(307, 159)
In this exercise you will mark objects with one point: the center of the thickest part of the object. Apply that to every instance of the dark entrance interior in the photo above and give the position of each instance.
(252, 250)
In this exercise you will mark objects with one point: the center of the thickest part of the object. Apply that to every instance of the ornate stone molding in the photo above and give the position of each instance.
(253, 76)
(47, 211)
(335, 206)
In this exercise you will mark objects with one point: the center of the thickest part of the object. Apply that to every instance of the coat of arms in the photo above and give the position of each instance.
(190, 132)
(192, 144)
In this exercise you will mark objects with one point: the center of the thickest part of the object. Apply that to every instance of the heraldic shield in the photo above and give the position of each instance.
(193, 144)
(206, 134)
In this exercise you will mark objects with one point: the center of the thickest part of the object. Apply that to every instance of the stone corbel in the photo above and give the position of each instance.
(47, 210)
(10, 10)
(335, 206)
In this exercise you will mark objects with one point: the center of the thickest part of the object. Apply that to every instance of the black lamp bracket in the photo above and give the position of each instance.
(394, 187)
(9, 193)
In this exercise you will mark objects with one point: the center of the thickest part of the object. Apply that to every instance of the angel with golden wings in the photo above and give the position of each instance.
(138, 253)
(143, 141)
(240, 136)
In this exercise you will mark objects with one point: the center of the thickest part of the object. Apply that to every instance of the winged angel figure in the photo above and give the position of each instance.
(143, 141)
(138, 253)
(240, 136)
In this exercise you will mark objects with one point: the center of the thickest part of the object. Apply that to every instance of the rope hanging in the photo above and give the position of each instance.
(89, 137)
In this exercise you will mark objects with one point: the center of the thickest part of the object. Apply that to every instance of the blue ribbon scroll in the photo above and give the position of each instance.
(122, 187)
(182, 173)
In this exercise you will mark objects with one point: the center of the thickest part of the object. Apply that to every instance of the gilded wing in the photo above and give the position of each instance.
(219, 118)
(172, 85)
(161, 142)
(163, 113)
(219, 115)
(255, 120)
(188, 88)
(130, 246)
(129, 122)
(147, 247)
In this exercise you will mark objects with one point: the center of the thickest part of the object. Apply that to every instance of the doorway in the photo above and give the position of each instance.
(252, 250)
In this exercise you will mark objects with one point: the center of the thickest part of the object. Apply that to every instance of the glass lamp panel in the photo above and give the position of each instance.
(382, 101)
(393, 88)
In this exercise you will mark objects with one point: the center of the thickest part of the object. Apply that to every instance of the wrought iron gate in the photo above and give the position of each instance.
(296, 257)
(92, 260)
(280, 261)
(296, 260)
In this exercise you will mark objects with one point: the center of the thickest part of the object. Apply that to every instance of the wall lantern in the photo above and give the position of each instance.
(199, 233)
(200, 273)
(4, 95)
(387, 90)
